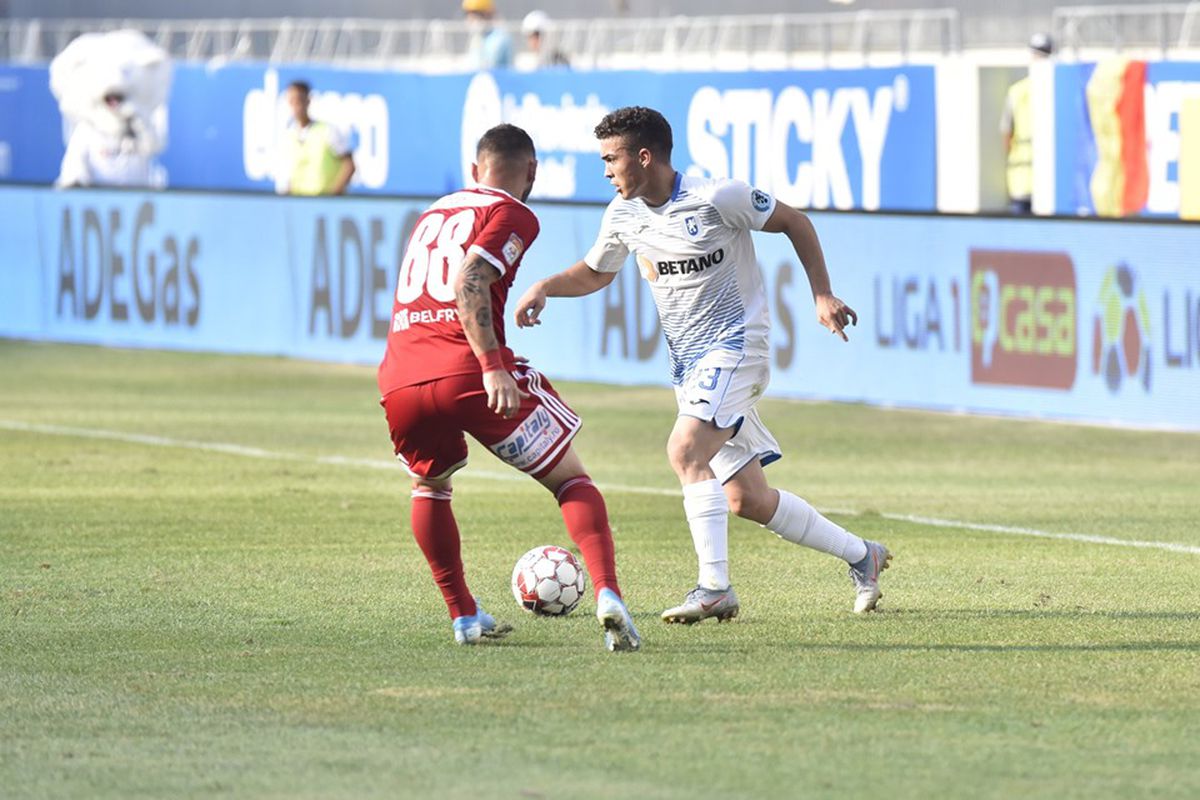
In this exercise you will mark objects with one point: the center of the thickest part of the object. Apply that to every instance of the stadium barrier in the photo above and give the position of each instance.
(859, 138)
(672, 42)
(1060, 319)
(915, 138)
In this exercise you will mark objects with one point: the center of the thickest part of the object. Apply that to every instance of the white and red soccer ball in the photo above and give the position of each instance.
(548, 581)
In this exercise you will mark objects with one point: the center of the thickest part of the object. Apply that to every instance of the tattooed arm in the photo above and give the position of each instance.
(472, 291)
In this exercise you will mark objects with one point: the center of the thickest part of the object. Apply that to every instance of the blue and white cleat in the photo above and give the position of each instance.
(865, 575)
(481, 625)
(619, 632)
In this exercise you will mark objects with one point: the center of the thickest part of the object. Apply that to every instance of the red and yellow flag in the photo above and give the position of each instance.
(1116, 102)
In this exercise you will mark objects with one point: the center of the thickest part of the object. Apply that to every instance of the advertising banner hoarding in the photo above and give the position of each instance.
(857, 138)
(1075, 320)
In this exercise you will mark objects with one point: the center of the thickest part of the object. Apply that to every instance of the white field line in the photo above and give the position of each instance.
(378, 463)
(274, 455)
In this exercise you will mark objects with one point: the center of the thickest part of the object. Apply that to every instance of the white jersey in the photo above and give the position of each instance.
(95, 158)
(696, 252)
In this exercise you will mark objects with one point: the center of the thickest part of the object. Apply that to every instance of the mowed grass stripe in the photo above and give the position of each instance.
(226, 448)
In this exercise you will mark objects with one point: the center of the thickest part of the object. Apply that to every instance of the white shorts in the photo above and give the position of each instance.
(722, 388)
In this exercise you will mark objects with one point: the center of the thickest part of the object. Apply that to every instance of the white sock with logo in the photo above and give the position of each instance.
(798, 522)
(707, 513)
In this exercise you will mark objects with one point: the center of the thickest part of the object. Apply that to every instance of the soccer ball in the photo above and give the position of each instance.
(548, 581)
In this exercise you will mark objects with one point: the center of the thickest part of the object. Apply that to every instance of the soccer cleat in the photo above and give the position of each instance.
(480, 625)
(619, 632)
(866, 580)
(702, 603)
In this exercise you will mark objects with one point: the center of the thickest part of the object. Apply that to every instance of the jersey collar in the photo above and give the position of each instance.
(666, 203)
(481, 187)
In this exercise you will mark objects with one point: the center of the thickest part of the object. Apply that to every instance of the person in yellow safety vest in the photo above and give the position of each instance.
(315, 157)
(1016, 126)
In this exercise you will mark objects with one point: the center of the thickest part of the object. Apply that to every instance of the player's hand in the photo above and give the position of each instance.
(835, 315)
(503, 394)
(530, 306)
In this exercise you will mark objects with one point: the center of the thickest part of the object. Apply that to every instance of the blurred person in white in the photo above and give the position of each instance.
(538, 55)
(1016, 126)
(112, 90)
(491, 46)
(315, 157)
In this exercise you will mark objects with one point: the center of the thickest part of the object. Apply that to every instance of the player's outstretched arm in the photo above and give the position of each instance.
(831, 311)
(575, 281)
(472, 291)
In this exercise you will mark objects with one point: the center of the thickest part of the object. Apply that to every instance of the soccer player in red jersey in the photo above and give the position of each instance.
(447, 371)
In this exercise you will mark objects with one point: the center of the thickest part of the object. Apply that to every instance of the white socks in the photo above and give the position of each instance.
(796, 521)
(707, 513)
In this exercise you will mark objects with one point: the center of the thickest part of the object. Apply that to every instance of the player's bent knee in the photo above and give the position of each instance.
(693, 444)
(431, 485)
(569, 467)
(744, 505)
(754, 506)
(684, 451)
(737, 504)
(674, 455)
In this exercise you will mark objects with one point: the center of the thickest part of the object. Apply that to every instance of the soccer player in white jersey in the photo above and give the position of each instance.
(692, 240)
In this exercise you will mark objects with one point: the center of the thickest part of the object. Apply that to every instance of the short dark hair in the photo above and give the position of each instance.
(640, 127)
(304, 87)
(506, 141)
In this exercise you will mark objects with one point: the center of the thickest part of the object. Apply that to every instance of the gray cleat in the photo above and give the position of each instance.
(702, 603)
(866, 581)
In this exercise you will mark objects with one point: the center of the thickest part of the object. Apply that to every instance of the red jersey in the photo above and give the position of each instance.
(426, 340)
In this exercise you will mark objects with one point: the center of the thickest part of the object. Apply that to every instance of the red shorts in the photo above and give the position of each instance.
(427, 422)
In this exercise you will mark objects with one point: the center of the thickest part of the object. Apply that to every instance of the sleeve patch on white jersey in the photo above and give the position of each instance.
(760, 199)
(513, 249)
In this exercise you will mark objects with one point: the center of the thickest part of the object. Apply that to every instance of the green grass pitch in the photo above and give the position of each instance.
(179, 619)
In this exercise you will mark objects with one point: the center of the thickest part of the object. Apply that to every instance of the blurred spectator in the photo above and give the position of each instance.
(491, 46)
(534, 28)
(114, 149)
(315, 156)
(1016, 126)
(112, 90)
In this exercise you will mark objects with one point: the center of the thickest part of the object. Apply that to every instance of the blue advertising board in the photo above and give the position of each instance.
(31, 134)
(1076, 320)
(858, 138)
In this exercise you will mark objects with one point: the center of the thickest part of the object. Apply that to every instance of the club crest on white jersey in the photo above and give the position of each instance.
(697, 255)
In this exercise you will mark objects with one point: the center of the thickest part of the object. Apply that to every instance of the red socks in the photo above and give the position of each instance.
(586, 517)
(583, 511)
(436, 532)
